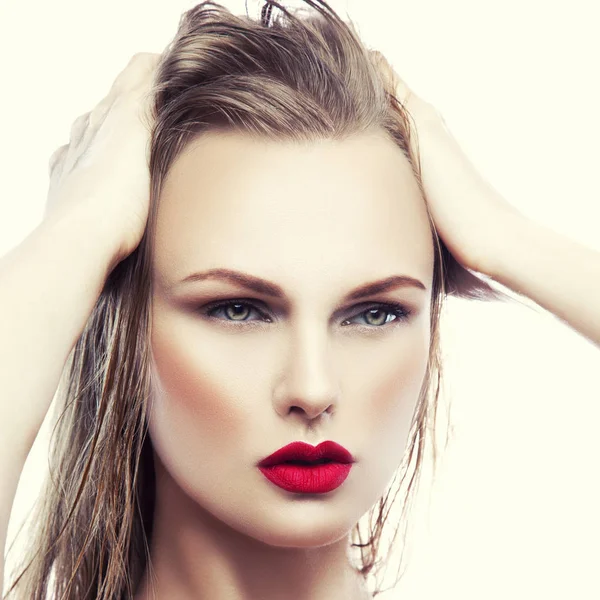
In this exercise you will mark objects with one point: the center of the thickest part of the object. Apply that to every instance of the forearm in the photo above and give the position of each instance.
(48, 287)
(559, 274)
(487, 234)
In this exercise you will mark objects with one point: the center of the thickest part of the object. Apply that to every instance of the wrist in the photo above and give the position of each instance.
(508, 237)
(87, 231)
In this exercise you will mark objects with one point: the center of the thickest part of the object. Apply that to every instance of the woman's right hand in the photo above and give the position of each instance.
(104, 169)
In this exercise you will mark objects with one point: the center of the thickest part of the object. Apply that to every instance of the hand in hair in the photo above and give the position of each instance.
(471, 217)
(105, 167)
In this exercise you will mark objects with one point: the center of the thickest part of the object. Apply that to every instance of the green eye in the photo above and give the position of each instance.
(376, 315)
(235, 311)
(372, 312)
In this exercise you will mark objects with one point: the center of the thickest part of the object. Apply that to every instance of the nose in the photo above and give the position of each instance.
(308, 387)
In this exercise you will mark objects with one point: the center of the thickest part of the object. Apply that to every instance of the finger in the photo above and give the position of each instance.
(134, 81)
(136, 72)
(78, 128)
(99, 112)
(56, 157)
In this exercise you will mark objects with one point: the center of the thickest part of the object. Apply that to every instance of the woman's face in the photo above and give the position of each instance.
(294, 356)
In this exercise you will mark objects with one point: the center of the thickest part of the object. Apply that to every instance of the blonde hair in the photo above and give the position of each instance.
(283, 78)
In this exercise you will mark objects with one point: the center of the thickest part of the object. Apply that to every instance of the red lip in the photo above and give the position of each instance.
(301, 451)
(308, 474)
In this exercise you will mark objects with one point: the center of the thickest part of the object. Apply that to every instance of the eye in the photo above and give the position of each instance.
(377, 315)
(236, 310)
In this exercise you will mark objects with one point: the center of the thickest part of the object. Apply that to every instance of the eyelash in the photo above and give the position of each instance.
(398, 310)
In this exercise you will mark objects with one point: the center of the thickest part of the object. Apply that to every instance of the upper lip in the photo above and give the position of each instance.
(303, 451)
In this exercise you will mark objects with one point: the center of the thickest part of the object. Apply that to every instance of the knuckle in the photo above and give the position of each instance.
(79, 120)
(57, 157)
(138, 56)
(139, 67)
(146, 58)
(125, 99)
(123, 107)
(79, 124)
(142, 60)
(100, 111)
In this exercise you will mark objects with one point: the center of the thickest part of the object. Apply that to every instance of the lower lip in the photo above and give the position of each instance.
(307, 479)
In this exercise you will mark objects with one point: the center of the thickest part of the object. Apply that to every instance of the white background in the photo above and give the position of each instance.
(514, 513)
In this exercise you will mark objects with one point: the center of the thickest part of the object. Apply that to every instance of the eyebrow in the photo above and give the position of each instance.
(262, 286)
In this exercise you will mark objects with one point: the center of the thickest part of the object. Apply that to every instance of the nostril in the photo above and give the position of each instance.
(298, 409)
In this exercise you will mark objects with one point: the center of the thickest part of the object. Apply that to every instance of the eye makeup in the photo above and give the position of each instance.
(212, 310)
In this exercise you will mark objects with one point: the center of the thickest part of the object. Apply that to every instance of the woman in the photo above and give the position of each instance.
(240, 269)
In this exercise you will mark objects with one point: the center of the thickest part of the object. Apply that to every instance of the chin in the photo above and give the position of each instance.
(294, 537)
(311, 528)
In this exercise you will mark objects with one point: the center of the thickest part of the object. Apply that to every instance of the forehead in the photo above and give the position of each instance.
(277, 209)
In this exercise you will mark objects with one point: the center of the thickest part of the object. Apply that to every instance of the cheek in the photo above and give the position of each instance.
(400, 384)
(196, 398)
(392, 383)
(385, 386)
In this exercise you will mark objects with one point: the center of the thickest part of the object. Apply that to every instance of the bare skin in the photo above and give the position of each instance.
(329, 375)
(488, 234)
(239, 555)
(329, 217)
(50, 282)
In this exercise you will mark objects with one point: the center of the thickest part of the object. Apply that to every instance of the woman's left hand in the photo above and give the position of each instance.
(470, 216)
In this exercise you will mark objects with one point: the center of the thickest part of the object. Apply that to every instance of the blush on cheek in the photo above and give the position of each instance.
(398, 384)
(191, 387)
